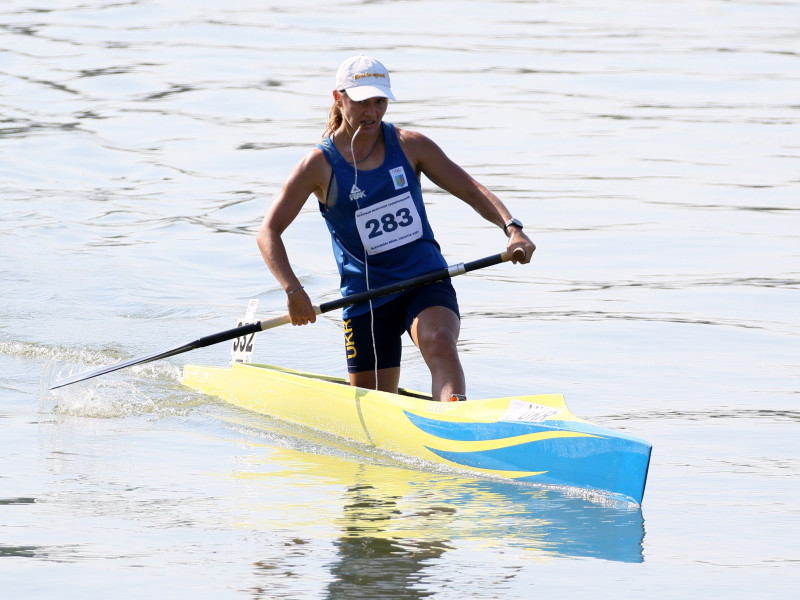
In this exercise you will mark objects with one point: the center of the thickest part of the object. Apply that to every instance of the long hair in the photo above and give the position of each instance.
(334, 119)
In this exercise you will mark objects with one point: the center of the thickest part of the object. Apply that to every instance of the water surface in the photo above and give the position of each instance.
(650, 148)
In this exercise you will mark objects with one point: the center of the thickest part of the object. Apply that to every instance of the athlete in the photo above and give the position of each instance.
(365, 175)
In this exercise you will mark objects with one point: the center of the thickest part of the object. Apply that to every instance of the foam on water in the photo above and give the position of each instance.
(137, 390)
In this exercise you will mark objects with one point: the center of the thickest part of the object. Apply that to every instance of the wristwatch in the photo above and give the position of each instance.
(512, 221)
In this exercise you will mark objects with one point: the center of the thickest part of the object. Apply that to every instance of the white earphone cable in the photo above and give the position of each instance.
(366, 261)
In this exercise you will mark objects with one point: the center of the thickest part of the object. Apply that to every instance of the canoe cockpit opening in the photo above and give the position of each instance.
(339, 380)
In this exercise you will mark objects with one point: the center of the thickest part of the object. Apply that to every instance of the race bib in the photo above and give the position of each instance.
(389, 224)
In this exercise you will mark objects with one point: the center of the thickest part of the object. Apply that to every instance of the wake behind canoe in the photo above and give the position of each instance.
(524, 438)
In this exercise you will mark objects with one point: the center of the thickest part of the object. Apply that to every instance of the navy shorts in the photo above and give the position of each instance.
(390, 321)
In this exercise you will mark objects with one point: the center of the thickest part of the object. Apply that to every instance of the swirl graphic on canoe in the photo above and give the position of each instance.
(563, 453)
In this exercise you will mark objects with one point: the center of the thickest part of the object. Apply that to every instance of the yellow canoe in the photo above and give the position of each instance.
(524, 438)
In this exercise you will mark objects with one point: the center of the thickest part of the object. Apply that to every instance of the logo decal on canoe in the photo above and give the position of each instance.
(526, 411)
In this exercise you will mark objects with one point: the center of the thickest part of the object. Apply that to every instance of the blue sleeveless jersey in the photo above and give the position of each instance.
(378, 225)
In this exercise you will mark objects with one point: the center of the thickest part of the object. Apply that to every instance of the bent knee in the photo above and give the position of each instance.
(437, 339)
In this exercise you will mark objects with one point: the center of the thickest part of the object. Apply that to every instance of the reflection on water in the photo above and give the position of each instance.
(395, 523)
(400, 518)
(539, 522)
(370, 565)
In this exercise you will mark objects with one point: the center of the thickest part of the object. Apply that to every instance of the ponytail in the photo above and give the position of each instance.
(334, 120)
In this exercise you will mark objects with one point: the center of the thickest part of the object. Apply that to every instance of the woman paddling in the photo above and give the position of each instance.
(365, 175)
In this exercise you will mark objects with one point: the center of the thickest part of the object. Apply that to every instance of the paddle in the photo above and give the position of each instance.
(230, 334)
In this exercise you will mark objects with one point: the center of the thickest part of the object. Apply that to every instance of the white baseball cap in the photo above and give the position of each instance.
(364, 77)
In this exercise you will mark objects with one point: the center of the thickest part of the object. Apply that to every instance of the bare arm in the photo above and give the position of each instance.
(426, 157)
(305, 179)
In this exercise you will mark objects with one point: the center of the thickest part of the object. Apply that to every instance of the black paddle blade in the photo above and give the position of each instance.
(115, 367)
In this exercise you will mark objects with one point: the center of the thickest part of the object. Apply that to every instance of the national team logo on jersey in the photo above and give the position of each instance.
(399, 178)
(356, 193)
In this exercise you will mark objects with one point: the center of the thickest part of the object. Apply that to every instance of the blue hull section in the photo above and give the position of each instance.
(568, 453)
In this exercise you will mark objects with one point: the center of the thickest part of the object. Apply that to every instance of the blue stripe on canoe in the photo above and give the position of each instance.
(601, 463)
(498, 430)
